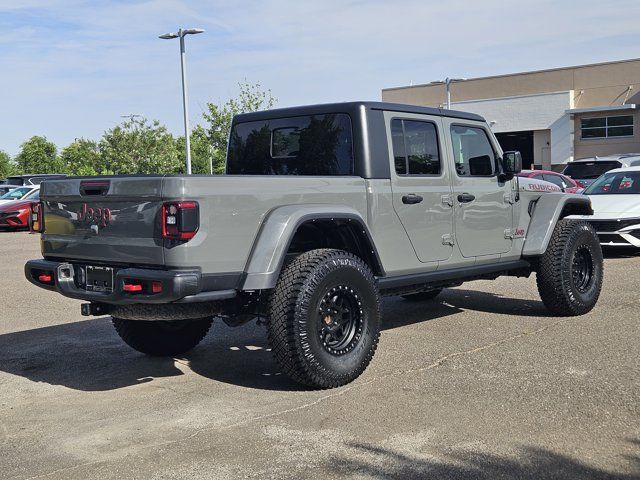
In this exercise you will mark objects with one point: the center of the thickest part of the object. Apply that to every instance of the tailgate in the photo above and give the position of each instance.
(103, 219)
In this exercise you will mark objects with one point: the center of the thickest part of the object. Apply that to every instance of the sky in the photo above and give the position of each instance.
(70, 69)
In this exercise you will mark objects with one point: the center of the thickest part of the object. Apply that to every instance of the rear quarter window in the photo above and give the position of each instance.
(305, 145)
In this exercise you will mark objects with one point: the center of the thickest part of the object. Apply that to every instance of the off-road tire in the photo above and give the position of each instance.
(567, 287)
(162, 338)
(423, 296)
(300, 330)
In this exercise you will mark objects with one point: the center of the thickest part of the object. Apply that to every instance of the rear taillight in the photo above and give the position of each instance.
(180, 220)
(36, 223)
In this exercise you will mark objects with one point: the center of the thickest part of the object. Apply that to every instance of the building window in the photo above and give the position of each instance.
(415, 147)
(607, 127)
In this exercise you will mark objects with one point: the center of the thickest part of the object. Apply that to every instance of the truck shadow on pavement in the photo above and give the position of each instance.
(530, 463)
(88, 355)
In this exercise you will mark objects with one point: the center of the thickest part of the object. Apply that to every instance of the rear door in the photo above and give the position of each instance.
(112, 219)
(421, 184)
(483, 204)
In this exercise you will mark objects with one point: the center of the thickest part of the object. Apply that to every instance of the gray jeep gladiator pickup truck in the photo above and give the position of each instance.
(323, 210)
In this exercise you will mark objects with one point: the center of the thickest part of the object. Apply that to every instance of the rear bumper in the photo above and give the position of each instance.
(181, 286)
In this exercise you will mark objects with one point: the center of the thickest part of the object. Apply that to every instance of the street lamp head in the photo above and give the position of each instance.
(192, 31)
(182, 32)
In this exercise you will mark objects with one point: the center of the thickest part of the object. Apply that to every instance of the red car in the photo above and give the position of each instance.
(15, 215)
(565, 183)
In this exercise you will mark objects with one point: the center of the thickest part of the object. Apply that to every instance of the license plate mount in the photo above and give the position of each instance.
(99, 279)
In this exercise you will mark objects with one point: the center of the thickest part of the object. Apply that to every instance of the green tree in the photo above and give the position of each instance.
(201, 151)
(38, 155)
(7, 167)
(218, 117)
(82, 157)
(138, 146)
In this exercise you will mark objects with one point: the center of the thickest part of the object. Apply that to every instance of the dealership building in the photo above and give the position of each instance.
(551, 116)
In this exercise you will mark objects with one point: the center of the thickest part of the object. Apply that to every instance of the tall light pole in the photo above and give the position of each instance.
(447, 82)
(183, 67)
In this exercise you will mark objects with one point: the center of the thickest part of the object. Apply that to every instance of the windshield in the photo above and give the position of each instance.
(35, 195)
(16, 193)
(619, 183)
(305, 145)
(593, 169)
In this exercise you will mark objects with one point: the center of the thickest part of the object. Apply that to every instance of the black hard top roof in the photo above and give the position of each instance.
(34, 175)
(353, 107)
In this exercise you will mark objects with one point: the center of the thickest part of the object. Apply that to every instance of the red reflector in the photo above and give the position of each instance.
(132, 287)
(45, 278)
(156, 287)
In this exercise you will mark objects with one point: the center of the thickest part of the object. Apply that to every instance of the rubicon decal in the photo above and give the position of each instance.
(538, 187)
(94, 216)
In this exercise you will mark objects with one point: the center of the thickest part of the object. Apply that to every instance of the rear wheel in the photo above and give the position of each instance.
(325, 318)
(162, 338)
(569, 274)
(423, 296)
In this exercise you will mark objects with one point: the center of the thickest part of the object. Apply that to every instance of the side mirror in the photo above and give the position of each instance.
(512, 162)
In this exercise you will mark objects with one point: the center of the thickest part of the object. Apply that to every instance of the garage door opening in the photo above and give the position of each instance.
(522, 141)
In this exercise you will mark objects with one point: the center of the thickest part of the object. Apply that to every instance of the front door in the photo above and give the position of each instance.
(421, 184)
(483, 203)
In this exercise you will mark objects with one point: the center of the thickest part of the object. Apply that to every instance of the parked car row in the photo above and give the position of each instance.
(17, 194)
(15, 206)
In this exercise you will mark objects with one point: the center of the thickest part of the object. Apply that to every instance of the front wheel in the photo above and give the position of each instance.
(324, 318)
(162, 338)
(570, 272)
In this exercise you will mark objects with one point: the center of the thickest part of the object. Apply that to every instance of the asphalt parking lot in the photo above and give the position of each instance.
(479, 384)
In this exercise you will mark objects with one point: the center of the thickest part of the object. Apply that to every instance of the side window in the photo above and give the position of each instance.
(555, 180)
(569, 181)
(472, 151)
(415, 147)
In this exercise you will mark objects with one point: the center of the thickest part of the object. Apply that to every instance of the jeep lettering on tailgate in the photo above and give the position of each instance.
(94, 216)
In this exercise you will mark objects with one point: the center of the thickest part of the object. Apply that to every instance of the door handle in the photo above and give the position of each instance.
(411, 199)
(466, 198)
